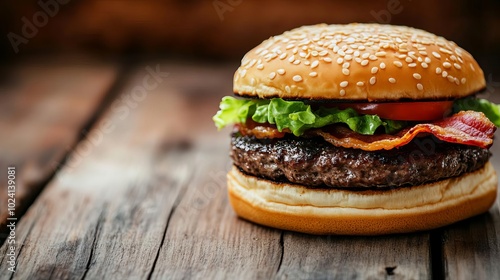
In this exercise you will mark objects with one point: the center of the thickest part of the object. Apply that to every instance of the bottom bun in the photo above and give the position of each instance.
(372, 212)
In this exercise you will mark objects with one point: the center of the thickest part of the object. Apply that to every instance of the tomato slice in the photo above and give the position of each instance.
(403, 111)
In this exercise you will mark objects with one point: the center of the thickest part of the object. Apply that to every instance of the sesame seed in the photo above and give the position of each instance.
(314, 53)
(272, 75)
(417, 76)
(392, 80)
(457, 66)
(364, 62)
(327, 59)
(438, 70)
(302, 54)
(252, 81)
(419, 59)
(307, 63)
(422, 52)
(401, 56)
(360, 84)
(372, 57)
(373, 80)
(381, 54)
(260, 66)
(323, 53)
(287, 89)
(412, 65)
(346, 71)
(472, 67)
(314, 64)
(348, 57)
(297, 78)
(445, 50)
(450, 78)
(457, 82)
(424, 65)
(281, 71)
(374, 70)
(436, 55)
(344, 84)
(251, 63)
(398, 64)
(291, 58)
(427, 60)
(463, 80)
(289, 46)
(340, 60)
(420, 87)
(346, 65)
(341, 52)
(296, 62)
(365, 55)
(382, 65)
(446, 64)
(356, 53)
(283, 56)
(444, 74)
(408, 59)
(342, 92)
(313, 74)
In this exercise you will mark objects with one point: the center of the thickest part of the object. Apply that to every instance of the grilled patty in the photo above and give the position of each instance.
(316, 163)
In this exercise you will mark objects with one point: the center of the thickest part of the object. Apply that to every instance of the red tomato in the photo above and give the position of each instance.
(403, 111)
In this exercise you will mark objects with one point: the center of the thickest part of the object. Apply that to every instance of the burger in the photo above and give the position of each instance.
(359, 129)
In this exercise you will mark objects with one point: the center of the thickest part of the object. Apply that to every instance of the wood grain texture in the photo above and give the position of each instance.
(106, 213)
(340, 257)
(43, 109)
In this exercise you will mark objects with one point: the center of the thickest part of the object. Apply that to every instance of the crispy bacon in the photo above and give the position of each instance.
(260, 130)
(466, 127)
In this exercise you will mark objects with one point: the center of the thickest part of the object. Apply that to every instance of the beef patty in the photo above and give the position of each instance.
(314, 162)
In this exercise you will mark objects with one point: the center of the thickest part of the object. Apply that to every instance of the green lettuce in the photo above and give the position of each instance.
(491, 110)
(298, 116)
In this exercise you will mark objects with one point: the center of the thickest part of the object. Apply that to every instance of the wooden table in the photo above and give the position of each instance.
(121, 174)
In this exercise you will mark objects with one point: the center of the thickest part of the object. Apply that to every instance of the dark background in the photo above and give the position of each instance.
(226, 29)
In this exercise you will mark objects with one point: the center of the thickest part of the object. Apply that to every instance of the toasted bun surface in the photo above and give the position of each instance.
(297, 208)
(358, 62)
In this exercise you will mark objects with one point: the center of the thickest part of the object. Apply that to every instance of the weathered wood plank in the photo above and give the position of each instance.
(106, 213)
(340, 257)
(106, 203)
(43, 109)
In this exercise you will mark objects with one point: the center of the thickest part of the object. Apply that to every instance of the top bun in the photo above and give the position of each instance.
(370, 62)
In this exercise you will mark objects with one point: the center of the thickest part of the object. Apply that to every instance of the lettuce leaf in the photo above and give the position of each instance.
(491, 110)
(298, 116)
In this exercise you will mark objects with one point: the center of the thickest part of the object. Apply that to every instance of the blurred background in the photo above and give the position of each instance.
(224, 29)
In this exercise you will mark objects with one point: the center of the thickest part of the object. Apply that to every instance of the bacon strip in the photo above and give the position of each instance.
(465, 127)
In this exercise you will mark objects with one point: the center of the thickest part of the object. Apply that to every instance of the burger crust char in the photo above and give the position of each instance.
(312, 162)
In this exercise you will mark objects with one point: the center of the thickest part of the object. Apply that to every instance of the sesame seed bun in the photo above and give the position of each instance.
(297, 208)
(358, 62)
